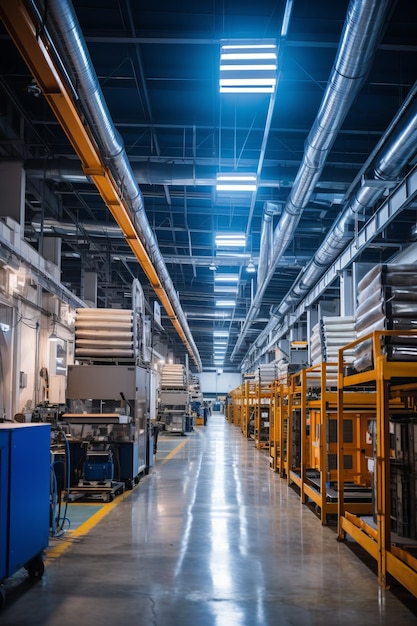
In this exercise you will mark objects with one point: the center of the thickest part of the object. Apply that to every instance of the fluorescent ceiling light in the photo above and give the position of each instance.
(229, 68)
(251, 82)
(248, 67)
(220, 333)
(286, 19)
(225, 303)
(247, 90)
(237, 240)
(248, 56)
(233, 254)
(249, 46)
(229, 289)
(236, 182)
(226, 278)
(73, 255)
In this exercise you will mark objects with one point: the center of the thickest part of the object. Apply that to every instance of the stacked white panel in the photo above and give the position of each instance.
(266, 373)
(104, 334)
(329, 335)
(387, 300)
(173, 377)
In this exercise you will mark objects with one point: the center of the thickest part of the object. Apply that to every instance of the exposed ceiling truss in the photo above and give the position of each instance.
(157, 69)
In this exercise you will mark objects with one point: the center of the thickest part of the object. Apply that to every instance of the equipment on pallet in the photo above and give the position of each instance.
(98, 464)
(98, 473)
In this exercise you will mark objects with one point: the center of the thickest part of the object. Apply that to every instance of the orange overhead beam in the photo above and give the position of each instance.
(34, 47)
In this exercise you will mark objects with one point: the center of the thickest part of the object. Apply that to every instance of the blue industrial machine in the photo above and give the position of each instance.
(98, 465)
(24, 498)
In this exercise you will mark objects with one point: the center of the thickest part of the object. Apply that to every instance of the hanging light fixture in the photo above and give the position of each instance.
(53, 336)
(251, 267)
(213, 266)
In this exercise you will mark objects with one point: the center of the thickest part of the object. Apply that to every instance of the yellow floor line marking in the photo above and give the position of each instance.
(174, 451)
(56, 551)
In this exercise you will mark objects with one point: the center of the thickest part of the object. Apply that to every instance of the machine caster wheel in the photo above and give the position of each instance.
(105, 497)
(2, 598)
(129, 484)
(35, 567)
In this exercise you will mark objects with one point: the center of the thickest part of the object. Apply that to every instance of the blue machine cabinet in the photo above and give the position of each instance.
(24, 497)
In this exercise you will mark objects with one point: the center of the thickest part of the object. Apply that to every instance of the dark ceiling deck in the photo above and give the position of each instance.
(158, 69)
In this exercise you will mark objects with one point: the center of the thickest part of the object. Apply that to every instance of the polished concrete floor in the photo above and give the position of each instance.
(212, 537)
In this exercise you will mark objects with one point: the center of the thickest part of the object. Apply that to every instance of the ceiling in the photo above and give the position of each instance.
(157, 65)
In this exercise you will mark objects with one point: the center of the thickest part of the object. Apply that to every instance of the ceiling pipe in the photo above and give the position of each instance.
(400, 147)
(175, 174)
(68, 39)
(397, 148)
(266, 240)
(361, 34)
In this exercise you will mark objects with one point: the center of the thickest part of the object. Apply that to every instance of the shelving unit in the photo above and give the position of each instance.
(318, 471)
(248, 409)
(262, 413)
(393, 387)
(298, 433)
(279, 427)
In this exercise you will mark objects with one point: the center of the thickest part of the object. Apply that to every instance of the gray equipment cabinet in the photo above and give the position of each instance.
(111, 402)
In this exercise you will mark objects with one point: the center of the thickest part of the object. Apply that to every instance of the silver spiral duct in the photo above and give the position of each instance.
(360, 37)
(63, 26)
(160, 173)
(397, 150)
(266, 241)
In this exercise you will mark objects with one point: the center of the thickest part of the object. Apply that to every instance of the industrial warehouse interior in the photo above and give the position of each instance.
(208, 312)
